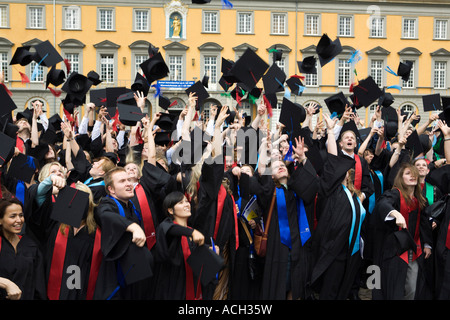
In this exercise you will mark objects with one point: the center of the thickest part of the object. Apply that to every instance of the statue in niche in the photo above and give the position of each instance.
(176, 27)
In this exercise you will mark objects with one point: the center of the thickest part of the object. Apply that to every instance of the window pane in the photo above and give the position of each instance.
(176, 68)
(440, 29)
(39, 74)
(278, 23)
(138, 59)
(281, 64)
(141, 23)
(245, 23)
(3, 16)
(377, 27)
(4, 65)
(210, 64)
(410, 82)
(210, 23)
(345, 26)
(36, 19)
(440, 68)
(343, 73)
(409, 28)
(72, 18)
(106, 19)
(107, 68)
(312, 25)
(376, 71)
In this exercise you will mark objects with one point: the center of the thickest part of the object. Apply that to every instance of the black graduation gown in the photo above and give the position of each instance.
(170, 284)
(386, 250)
(303, 182)
(335, 267)
(25, 268)
(439, 178)
(115, 242)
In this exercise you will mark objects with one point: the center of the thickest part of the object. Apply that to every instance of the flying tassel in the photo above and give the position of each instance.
(139, 136)
(333, 115)
(24, 78)
(7, 90)
(68, 115)
(68, 66)
(288, 156)
(173, 103)
(225, 94)
(355, 57)
(273, 50)
(157, 90)
(299, 77)
(55, 91)
(252, 99)
(351, 87)
(287, 93)
(226, 4)
(195, 116)
(268, 106)
(300, 89)
(36, 70)
(30, 162)
(396, 86)
(116, 121)
(388, 69)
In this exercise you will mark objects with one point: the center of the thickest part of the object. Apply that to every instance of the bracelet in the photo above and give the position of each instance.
(68, 140)
(447, 139)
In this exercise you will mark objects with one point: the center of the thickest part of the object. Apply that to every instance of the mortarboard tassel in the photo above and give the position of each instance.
(299, 77)
(226, 4)
(252, 99)
(56, 92)
(388, 69)
(288, 156)
(173, 104)
(36, 69)
(30, 162)
(6, 89)
(268, 106)
(396, 86)
(195, 116)
(157, 90)
(355, 57)
(287, 93)
(68, 66)
(68, 115)
(300, 89)
(24, 78)
(139, 136)
(116, 121)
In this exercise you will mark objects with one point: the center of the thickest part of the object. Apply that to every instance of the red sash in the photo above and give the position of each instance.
(57, 265)
(19, 144)
(405, 209)
(235, 222)
(190, 290)
(147, 218)
(95, 264)
(220, 202)
(358, 173)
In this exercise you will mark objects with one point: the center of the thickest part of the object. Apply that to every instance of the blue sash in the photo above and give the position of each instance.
(283, 222)
(362, 215)
(372, 197)
(122, 212)
(20, 191)
(100, 183)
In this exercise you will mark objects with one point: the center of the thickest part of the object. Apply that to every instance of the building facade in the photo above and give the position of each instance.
(112, 38)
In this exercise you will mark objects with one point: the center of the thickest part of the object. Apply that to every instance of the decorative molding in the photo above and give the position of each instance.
(5, 42)
(283, 47)
(309, 49)
(175, 46)
(244, 46)
(440, 53)
(71, 43)
(106, 44)
(32, 42)
(409, 51)
(378, 51)
(210, 46)
(140, 44)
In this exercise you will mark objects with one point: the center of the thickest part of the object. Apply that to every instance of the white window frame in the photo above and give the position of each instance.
(211, 69)
(113, 19)
(4, 65)
(377, 71)
(379, 22)
(411, 83)
(343, 66)
(107, 76)
(31, 25)
(4, 16)
(176, 68)
(437, 34)
(441, 73)
(349, 32)
(311, 31)
(283, 24)
(40, 75)
(136, 12)
(213, 25)
(248, 29)
(76, 11)
(75, 65)
(406, 34)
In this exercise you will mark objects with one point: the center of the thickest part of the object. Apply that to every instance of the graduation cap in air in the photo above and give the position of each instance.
(98, 97)
(127, 98)
(10, 129)
(404, 69)
(225, 84)
(77, 86)
(445, 102)
(199, 91)
(163, 102)
(7, 145)
(367, 91)
(413, 144)
(112, 94)
(277, 54)
(71, 206)
(390, 118)
(327, 50)
(22, 167)
(140, 84)
(307, 65)
(163, 138)
(200, 1)
(405, 241)
(166, 121)
(22, 56)
(154, 68)
(94, 77)
(336, 104)
(254, 94)
(26, 113)
(237, 93)
(230, 119)
(205, 263)
(226, 68)
(205, 81)
(46, 54)
(6, 103)
(136, 264)
(249, 69)
(386, 99)
(291, 115)
(129, 115)
(350, 126)
(431, 102)
(274, 79)
(355, 103)
(55, 77)
(295, 85)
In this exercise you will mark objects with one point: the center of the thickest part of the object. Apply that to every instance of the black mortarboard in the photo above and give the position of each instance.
(308, 65)
(140, 84)
(199, 91)
(431, 102)
(27, 114)
(163, 138)
(71, 206)
(98, 97)
(164, 102)
(154, 68)
(291, 115)
(77, 85)
(112, 93)
(152, 50)
(445, 102)
(274, 79)
(386, 99)
(249, 69)
(355, 103)
(22, 56)
(22, 167)
(70, 101)
(136, 264)
(205, 264)
(166, 121)
(237, 92)
(83, 141)
(10, 129)
(255, 92)
(413, 143)
(7, 148)
(389, 114)
(364, 133)
(327, 49)
(367, 91)
(7, 104)
(225, 84)
(390, 129)
(127, 98)
(200, 1)
(205, 81)
(277, 54)
(405, 241)
(404, 69)
(129, 115)
(94, 77)
(295, 85)
(46, 53)
(336, 103)
(55, 77)
(47, 137)
(350, 125)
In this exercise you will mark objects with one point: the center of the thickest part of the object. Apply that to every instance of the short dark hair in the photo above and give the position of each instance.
(171, 200)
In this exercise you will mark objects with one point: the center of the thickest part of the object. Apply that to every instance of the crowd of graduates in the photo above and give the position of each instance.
(116, 204)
